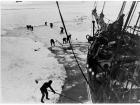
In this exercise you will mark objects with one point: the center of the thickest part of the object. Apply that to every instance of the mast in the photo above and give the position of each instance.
(93, 22)
(136, 23)
(133, 13)
(122, 9)
(103, 7)
(129, 15)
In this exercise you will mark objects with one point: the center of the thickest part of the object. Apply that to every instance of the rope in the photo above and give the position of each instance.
(72, 48)
(108, 19)
(59, 42)
(139, 25)
(103, 6)
(91, 25)
(132, 13)
(122, 9)
(69, 40)
(128, 17)
(95, 4)
(67, 97)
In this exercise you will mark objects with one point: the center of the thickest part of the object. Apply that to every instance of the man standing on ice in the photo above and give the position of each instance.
(51, 25)
(44, 90)
(62, 30)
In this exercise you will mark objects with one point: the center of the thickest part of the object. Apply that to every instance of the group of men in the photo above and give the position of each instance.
(29, 27)
(65, 40)
(47, 85)
(51, 24)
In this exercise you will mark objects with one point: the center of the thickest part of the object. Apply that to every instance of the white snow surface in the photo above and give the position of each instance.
(21, 66)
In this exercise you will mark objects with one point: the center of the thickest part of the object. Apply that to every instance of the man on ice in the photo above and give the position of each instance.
(44, 90)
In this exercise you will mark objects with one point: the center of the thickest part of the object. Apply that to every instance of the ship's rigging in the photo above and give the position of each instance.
(113, 57)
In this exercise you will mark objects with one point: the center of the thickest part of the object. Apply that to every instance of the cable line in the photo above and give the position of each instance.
(69, 40)
(72, 48)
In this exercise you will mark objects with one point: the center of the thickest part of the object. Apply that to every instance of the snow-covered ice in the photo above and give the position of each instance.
(21, 66)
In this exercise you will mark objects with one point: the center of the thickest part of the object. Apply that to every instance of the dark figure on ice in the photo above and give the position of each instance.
(29, 27)
(68, 38)
(52, 42)
(45, 23)
(64, 40)
(44, 90)
(51, 25)
(62, 30)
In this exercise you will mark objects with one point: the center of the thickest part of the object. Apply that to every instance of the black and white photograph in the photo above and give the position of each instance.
(70, 52)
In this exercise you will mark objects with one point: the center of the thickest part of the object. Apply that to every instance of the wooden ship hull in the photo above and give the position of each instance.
(113, 61)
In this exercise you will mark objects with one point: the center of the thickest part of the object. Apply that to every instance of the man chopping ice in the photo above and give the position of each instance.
(44, 90)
